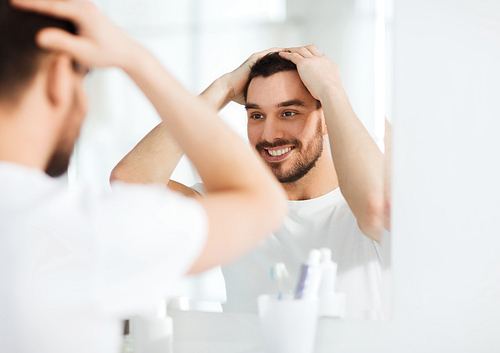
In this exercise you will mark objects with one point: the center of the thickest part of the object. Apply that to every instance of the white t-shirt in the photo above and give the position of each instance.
(74, 263)
(326, 221)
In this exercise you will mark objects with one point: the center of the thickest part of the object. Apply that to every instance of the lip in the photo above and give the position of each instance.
(275, 159)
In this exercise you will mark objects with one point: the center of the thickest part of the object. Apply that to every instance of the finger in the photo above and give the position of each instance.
(314, 50)
(293, 57)
(68, 10)
(268, 51)
(257, 56)
(55, 39)
(302, 51)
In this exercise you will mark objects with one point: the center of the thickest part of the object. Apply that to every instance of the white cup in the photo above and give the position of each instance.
(151, 334)
(288, 325)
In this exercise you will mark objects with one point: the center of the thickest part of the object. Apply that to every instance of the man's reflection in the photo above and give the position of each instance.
(296, 104)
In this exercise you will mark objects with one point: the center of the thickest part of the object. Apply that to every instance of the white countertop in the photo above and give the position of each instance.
(204, 332)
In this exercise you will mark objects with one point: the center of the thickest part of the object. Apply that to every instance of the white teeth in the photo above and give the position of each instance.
(279, 152)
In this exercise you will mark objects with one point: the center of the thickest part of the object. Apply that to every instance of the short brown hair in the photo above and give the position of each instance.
(268, 65)
(19, 54)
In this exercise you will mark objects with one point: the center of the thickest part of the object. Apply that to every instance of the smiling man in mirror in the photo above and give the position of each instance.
(302, 125)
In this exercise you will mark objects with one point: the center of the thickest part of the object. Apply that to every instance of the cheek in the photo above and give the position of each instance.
(253, 132)
(297, 129)
(314, 125)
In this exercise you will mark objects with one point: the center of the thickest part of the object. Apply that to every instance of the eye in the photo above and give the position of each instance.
(256, 116)
(288, 114)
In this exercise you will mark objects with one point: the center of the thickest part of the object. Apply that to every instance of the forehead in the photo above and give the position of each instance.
(283, 86)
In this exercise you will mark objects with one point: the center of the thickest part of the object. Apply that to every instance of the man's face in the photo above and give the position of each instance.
(59, 162)
(284, 124)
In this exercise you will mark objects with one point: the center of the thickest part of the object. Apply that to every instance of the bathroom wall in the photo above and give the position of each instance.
(446, 207)
(446, 190)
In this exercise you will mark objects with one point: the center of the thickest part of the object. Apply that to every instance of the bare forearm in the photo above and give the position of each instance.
(218, 94)
(358, 161)
(152, 160)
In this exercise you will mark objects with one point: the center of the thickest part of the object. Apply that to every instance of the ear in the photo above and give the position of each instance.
(323, 121)
(60, 82)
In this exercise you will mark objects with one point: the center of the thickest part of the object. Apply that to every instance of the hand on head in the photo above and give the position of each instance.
(316, 72)
(98, 43)
(238, 78)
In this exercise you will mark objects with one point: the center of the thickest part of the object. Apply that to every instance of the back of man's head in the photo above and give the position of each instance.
(268, 65)
(20, 57)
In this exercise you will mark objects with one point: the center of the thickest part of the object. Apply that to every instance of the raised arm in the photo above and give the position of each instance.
(152, 160)
(244, 202)
(358, 160)
(155, 157)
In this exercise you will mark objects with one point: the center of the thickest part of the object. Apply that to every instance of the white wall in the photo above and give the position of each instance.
(446, 190)
(446, 174)
(345, 31)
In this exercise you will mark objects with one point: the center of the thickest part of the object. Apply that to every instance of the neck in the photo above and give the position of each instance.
(320, 180)
(25, 135)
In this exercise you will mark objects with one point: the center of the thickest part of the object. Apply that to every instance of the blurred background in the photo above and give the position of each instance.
(200, 40)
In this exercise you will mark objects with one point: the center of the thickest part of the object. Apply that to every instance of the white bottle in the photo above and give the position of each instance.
(331, 304)
(329, 273)
(310, 277)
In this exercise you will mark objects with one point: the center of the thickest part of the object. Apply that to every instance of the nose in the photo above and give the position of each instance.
(273, 129)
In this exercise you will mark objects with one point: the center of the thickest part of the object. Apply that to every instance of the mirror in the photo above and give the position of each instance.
(200, 40)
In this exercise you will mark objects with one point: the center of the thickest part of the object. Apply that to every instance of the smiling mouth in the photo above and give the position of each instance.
(277, 153)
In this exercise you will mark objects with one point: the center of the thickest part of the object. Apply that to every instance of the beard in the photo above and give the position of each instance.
(59, 162)
(304, 162)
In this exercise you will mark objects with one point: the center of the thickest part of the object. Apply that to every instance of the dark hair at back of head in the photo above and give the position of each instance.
(19, 55)
(268, 65)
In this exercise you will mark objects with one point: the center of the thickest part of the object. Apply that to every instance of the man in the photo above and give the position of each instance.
(72, 262)
(294, 98)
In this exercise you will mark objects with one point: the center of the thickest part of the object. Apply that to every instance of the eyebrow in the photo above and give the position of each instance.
(292, 102)
(251, 106)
